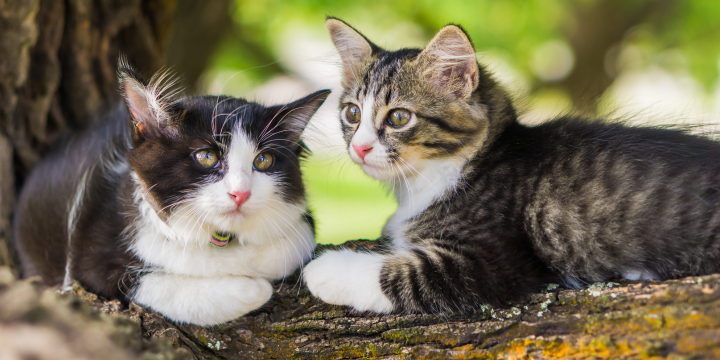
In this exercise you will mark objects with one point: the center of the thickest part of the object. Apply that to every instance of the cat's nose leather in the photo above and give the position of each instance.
(362, 150)
(239, 197)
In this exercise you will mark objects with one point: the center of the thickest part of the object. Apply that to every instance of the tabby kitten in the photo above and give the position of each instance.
(491, 210)
(188, 205)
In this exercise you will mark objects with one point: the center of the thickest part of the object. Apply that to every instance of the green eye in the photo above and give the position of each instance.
(399, 118)
(263, 162)
(352, 114)
(206, 158)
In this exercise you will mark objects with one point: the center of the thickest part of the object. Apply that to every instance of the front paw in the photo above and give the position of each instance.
(348, 278)
(202, 301)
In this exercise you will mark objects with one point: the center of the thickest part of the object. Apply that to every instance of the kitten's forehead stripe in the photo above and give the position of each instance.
(446, 126)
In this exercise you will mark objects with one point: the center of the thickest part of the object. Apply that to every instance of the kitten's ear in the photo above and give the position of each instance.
(147, 102)
(449, 62)
(355, 50)
(295, 116)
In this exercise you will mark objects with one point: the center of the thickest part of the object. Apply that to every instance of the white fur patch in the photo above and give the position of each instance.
(279, 246)
(77, 202)
(348, 278)
(67, 280)
(202, 301)
(376, 163)
(72, 223)
(637, 275)
(417, 192)
(365, 134)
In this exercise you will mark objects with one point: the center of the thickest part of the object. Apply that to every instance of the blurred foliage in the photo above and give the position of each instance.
(513, 29)
(675, 35)
(346, 204)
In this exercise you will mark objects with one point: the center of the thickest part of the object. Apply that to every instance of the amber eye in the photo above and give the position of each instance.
(352, 113)
(263, 162)
(206, 158)
(399, 118)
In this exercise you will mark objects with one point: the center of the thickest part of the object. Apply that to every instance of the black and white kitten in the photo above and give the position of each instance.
(188, 205)
(491, 210)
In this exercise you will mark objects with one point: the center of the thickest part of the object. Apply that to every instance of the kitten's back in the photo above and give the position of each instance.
(54, 191)
(602, 200)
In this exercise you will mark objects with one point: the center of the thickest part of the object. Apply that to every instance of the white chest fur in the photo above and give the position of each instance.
(434, 179)
(275, 251)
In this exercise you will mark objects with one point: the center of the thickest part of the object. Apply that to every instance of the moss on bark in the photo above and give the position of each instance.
(678, 319)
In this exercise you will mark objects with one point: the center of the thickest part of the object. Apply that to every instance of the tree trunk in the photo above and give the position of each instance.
(676, 319)
(595, 29)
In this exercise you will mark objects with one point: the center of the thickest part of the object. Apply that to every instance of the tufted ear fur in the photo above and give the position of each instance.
(449, 62)
(295, 116)
(148, 102)
(355, 50)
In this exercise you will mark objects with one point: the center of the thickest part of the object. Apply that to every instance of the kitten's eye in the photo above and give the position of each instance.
(263, 162)
(352, 114)
(206, 158)
(399, 118)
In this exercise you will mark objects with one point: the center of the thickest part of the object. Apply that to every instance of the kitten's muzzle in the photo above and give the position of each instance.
(239, 197)
(362, 150)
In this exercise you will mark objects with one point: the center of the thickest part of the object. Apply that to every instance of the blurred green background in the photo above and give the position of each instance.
(640, 61)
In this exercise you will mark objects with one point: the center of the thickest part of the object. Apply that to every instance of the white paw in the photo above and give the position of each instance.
(636, 275)
(348, 278)
(202, 300)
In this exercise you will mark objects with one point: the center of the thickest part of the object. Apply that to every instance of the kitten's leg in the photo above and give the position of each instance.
(202, 300)
(348, 278)
(430, 279)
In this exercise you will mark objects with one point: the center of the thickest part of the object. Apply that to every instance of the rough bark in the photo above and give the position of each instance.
(676, 319)
(40, 323)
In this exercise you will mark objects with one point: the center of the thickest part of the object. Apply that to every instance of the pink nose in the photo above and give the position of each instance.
(239, 197)
(362, 150)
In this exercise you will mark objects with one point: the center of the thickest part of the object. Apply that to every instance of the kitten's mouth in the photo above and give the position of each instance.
(375, 168)
(220, 239)
(372, 166)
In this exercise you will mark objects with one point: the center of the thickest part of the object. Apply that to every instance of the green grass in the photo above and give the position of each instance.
(346, 203)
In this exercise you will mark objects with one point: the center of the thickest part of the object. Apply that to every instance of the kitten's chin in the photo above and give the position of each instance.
(381, 173)
(235, 216)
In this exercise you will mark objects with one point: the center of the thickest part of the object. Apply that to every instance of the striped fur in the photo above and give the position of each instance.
(491, 210)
